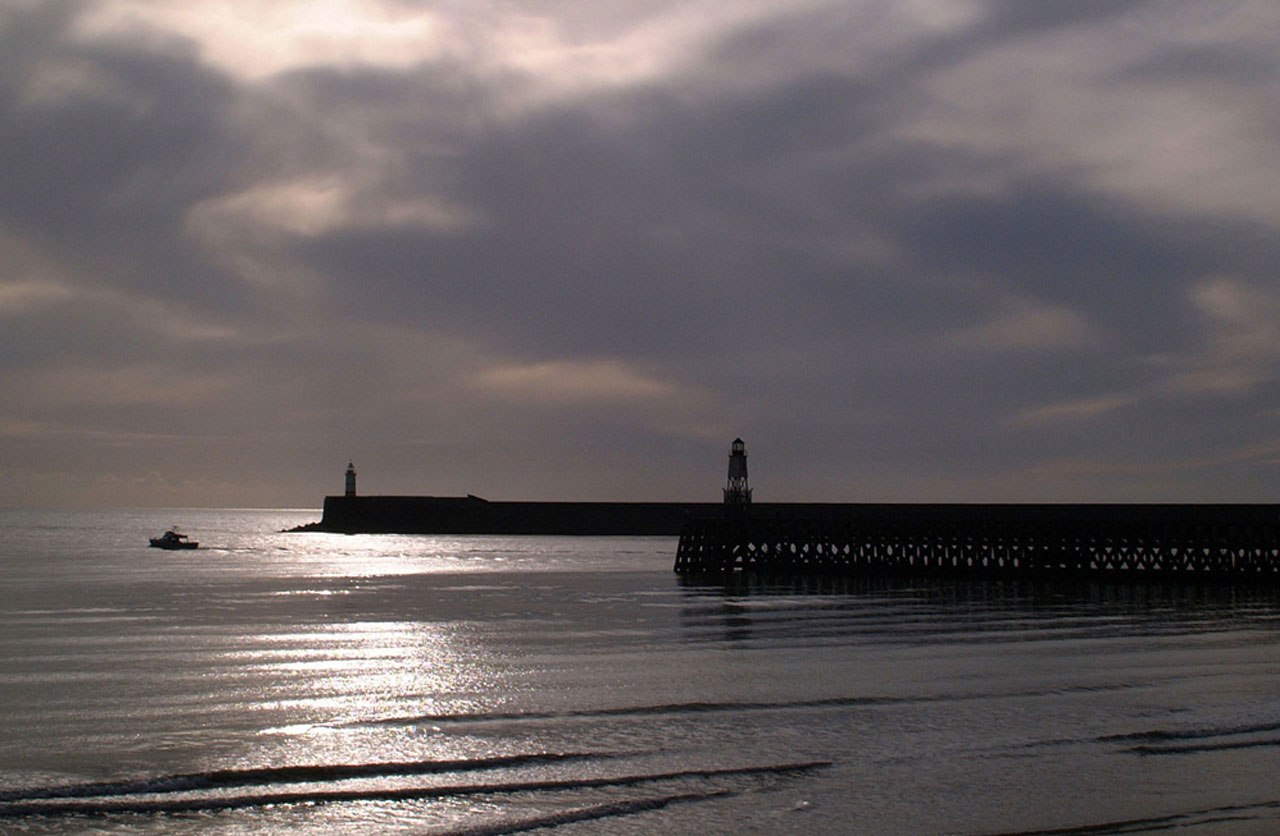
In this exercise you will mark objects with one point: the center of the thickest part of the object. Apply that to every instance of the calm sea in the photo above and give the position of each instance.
(328, 684)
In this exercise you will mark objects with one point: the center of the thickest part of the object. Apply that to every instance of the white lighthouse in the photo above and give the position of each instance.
(736, 492)
(351, 479)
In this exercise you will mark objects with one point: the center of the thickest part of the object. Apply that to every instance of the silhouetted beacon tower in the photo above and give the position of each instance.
(736, 492)
(351, 479)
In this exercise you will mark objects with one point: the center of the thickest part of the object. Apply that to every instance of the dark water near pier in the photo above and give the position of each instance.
(312, 683)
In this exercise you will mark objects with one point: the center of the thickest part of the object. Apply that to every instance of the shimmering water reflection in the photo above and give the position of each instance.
(358, 671)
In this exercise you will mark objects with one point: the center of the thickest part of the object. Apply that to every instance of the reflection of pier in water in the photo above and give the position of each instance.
(808, 610)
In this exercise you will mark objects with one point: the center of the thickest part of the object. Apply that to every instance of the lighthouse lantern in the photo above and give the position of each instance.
(737, 492)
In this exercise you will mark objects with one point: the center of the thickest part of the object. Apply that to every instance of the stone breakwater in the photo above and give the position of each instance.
(473, 515)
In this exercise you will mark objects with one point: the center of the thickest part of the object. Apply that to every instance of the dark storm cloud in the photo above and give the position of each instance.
(575, 220)
(643, 217)
(104, 147)
(859, 238)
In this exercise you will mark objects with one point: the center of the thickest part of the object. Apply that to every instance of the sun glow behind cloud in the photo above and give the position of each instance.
(1094, 98)
(573, 382)
(253, 40)
(24, 297)
(1028, 327)
(314, 206)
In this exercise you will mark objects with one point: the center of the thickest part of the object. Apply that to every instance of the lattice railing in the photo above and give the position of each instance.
(1024, 549)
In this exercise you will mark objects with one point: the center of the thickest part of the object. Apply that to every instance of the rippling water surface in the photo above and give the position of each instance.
(313, 683)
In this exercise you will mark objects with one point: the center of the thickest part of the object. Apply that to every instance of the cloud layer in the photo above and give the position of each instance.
(986, 250)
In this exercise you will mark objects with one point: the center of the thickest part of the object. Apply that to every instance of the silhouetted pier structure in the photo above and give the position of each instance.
(1120, 542)
(1191, 543)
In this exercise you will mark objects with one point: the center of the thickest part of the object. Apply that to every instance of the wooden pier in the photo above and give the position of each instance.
(1180, 543)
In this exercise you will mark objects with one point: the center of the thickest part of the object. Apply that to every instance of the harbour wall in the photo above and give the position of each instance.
(474, 515)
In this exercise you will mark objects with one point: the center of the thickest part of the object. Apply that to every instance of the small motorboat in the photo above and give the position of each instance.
(171, 539)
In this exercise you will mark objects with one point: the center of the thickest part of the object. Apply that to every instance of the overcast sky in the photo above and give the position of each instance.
(981, 250)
